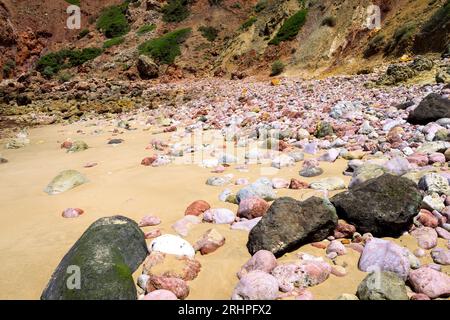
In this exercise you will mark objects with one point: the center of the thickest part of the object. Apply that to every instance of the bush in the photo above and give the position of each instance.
(165, 48)
(290, 27)
(260, 6)
(113, 22)
(402, 39)
(329, 21)
(113, 42)
(277, 68)
(375, 45)
(53, 62)
(64, 77)
(74, 2)
(247, 24)
(175, 11)
(8, 68)
(210, 33)
(145, 29)
(83, 33)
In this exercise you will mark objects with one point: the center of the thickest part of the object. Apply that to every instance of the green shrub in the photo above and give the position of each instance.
(210, 33)
(290, 27)
(113, 42)
(165, 48)
(260, 6)
(65, 76)
(83, 33)
(53, 62)
(401, 39)
(113, 22)
(375, 45)
(329, 21)
(74, 2)
(145, 29)
(247, 24)
(440, 19)
(8, 68)
(175, 11)
(277, 68)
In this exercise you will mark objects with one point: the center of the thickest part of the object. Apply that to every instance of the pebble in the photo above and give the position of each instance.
(172, 244)
(197, 208)
(256, 285)
(147, 221)
(72, 213)
(426, 237)
(210, 242)
(219, 216)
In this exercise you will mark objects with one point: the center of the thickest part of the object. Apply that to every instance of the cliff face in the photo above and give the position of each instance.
(333, 38)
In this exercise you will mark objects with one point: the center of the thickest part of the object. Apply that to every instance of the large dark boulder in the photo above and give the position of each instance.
(289, 224)
(384, 206)
(147, 68)
(107, 254)
(433, 107)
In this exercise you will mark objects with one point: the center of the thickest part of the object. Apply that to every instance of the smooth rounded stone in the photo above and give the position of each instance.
(347, 296)
(384, 255)
(279, 183)
(353, 155)
(310, 172)
(283, 161)
(148, 161)
(338, 271)
(337, 247)
(432, 147)
(427, 219)
(426, 237)
(115, 141)
(161, 160)
(414, 262)
(90, 164)
(161, 294)
(441, 256)
(301, 275)
(78, 146)
(357, 247)
(171, 266)
(227, 158)
(262, 188)
(148, 221)
(430, 282)
(297, 184)
(172, 244)
(223, 196)
(365, 172)
(153, 234)
(177, 286)
(297, 155)
(436, 158)
(107, 253)
(433, 107)
(344, 230)
(3, 160)
(183, 225)
(209, 242)
(219, 216)
(245, 224)
(419, 296)
(434, 266)
(72, 213)
(418, 159)
(218, 181)
(434, 182)
(210, 163)
(332, 255)
(231, 199)
(289, 223)
(447, 155)
(242, 182)
(253, 207)
(442, 233)
(433, 202)
(343, 109)
(302, 134)
(310, 148)
(197, 208)
(419, 252)
(262, 260)
(398, 166)
(64, 181)
(330, 184)
(330, 156)
(365, 205)
(382, 286)
(256, 285)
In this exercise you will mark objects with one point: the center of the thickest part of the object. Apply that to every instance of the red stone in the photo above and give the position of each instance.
(197, 208)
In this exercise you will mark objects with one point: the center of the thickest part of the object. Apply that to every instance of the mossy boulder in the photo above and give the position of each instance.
(382, 286)
(106, 255)
(384, 206)
(78, 146)
(433, 107)
(289, 224)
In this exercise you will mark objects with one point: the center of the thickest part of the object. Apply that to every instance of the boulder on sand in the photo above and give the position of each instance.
(99, 266)
(289, 223)
(382, 286)
(384, 206)
(64, 181)
(433, 107)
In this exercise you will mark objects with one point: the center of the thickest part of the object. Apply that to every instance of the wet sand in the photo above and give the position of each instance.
(34, 237)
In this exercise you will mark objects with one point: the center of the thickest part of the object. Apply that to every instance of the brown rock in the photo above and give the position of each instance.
(210, 242)
(148, 161)
(197, 208)
(176, 285)
(160, 264)
(297, 184)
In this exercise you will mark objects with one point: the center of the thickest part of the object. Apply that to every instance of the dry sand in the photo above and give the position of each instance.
(34, 237)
